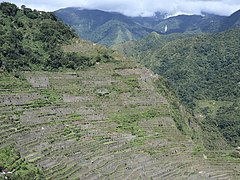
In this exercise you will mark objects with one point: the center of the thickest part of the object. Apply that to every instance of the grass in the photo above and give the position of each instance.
(48, 97)
(10, 84)
(139, 141)
(11, 160)
(132, 82)
(129, 129)
(198, 150)
(128, 120)
(51, 95)
(71, 131)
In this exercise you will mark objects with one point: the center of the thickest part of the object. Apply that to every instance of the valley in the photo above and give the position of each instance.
(148, 109)
(114, 28)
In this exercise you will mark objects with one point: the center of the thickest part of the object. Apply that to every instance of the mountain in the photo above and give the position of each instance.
(189, 23)
(232, 21)
(141, 50)
(106, 28)
(205, 23)
(87, 112)
(111, 28)
(33, 40)
(204, 71)
(151, 21)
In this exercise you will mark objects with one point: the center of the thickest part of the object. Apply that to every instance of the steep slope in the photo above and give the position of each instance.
(32, 40)
(114, 119)
(204, 70)
(232, 21)
(189, 23)
(103, 27)
(110, 28)
(141, 50)
(133, 48)
(209, 58)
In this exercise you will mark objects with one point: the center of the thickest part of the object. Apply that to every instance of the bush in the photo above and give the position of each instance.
(8, 9)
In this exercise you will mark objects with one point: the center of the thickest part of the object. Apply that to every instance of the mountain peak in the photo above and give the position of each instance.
(101, 26)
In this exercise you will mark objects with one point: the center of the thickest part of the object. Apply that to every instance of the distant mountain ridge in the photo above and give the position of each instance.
(232, 21)
(73, 109)
(189, 23)
(111, 28)
(103, 27)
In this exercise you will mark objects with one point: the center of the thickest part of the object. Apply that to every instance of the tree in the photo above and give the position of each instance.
(8, 9)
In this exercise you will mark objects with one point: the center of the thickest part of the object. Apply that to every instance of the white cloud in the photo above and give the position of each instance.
(140, 7)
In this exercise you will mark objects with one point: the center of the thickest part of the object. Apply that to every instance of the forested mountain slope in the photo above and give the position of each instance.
(100, 122)
(32, 40)
(86, 112)
(201, 68)
(110, 28)
(106, 28)
(232, 21)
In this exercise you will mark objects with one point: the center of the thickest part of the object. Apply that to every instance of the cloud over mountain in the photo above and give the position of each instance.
(141, 7)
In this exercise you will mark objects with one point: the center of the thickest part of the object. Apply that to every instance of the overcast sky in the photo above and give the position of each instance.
(139, 7)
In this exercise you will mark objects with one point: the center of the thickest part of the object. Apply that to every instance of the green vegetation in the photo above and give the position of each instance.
(203, 68)
(114, 28)
(49, 97)
(227, 120)
(11, 161)
(10, 83)
(114, 120)
(32, 40)
(128, 121)
(182, 118)
(111, 28)
(139, 50)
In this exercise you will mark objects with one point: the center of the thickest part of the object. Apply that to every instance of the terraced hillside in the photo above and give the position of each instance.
(110, 121)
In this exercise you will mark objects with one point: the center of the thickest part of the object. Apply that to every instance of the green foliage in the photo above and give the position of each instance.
(128, 121)
(32, 39)
(72, 131)
(176, 109)
(198, 150)
(11, 161)
(227, 120)
(50, 97)
(142, 50)
(75, 60)
(212, 137)
(205, 68)
(198, 68)
(30, 14)
(132, 82)
(8, 9)
(110, 29)
(10, 83)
